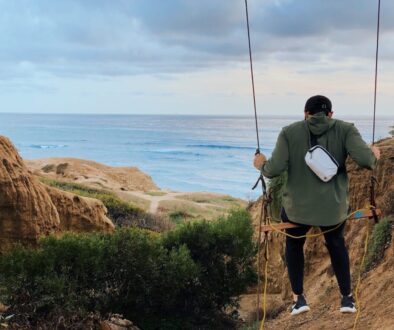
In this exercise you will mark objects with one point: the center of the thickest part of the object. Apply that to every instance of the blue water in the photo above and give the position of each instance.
(182, 153)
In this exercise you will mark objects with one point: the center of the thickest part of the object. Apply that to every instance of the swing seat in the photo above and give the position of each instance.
(359, 214)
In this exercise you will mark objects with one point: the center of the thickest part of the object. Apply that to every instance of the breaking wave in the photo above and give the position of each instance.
(48, 146)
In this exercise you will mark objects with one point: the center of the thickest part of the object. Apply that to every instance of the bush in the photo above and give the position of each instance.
(379, 241)
(128, 272)
(175, 281)
(251, 326)
(179, 216)
(224, 251)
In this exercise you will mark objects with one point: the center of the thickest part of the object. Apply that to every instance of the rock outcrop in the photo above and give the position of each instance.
(79, 214)
(93, 174)
(117, 322)
(26, 210)
(384, 173)
(29, 209)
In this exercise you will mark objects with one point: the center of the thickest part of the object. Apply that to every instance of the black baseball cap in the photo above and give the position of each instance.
(318, 103)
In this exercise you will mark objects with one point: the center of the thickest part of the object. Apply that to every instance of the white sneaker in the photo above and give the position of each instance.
(299, 306)
(348, 305)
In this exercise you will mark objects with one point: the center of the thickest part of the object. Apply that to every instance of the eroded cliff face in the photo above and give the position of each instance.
(377, 288)
(359, 180)
(26, 210)
(79, 214)
(29, 209)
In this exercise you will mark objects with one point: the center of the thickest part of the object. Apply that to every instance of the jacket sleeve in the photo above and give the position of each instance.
(358, 150)
(279, 160)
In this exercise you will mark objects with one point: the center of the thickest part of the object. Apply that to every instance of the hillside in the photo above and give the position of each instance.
(135, 187)
(377, 287)
(92, 174)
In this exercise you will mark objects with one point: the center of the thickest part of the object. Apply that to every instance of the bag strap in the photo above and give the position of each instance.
(313, 142)
(311, 137)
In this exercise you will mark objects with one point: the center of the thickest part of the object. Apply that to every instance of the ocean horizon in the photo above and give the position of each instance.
(180, 152)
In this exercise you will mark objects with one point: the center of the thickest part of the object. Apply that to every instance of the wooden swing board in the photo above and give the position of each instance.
(361, 214)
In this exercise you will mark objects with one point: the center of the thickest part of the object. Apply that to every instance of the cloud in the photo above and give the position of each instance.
(81, 38)
(319, 17)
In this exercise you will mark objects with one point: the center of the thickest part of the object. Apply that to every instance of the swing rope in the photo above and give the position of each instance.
(252, 77)
(376, 73)
(263, 185)
(266, 199)
(373, 178)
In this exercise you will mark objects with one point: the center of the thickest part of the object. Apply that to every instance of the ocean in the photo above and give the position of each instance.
(180, 153)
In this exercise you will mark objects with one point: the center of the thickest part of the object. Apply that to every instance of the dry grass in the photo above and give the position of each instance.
(140, 202)
(189, 210)
(156, 193)
(225, 201)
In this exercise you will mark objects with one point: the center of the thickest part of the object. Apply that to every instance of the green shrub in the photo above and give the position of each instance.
(178, 216)
(224, 251)
(128, 272)
(175, 281)
(379, 241)
(252, 326)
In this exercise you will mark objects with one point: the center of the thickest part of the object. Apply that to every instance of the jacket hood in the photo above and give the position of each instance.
(319, 123)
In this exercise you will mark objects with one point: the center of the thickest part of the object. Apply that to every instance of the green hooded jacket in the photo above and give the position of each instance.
(307, 199)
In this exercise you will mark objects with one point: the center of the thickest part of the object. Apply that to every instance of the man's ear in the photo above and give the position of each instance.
(330, 114)
(306, 114)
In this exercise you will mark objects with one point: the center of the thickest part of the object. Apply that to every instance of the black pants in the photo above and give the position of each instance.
(336, 247)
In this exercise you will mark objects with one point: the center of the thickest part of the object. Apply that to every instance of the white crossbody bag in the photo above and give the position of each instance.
(321, 162)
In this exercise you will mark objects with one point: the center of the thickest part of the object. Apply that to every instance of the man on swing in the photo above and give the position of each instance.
(308, 200)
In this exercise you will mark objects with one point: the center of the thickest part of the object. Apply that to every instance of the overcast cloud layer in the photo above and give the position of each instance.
(188, 56)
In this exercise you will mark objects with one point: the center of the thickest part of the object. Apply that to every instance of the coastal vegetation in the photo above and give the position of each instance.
(378, 243)
(179, 216)
(204, 198)
(184, 278)
(156, 193)
(192, 206)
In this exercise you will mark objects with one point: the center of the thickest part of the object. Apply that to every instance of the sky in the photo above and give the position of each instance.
(191, 56)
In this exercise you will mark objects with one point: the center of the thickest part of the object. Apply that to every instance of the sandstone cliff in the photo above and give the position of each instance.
(92, 174)
(26, 209)
(79, 214)
(29, 209)
(384, 174)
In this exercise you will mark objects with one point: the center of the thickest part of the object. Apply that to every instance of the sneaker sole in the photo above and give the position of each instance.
(301, 310)
(348, 310)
